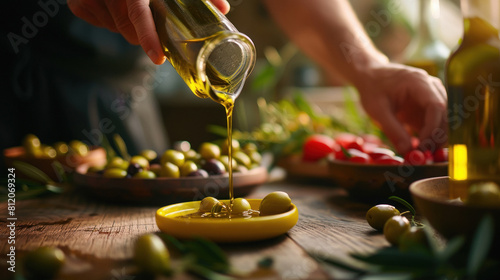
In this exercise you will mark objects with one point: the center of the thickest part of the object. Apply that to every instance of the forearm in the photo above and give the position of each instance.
(329, 32)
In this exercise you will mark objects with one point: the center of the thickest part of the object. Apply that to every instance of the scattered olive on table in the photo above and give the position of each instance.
(415, 237)
(395, 227)
(378, 215)
(151, 255)
(43, 262)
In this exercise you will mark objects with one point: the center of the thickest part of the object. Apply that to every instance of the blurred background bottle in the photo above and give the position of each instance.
(426, 50)
(473, 83)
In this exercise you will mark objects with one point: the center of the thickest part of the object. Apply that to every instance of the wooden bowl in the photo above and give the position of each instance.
(166, 190)
(376, 181)
(95, 157)
(431, 198)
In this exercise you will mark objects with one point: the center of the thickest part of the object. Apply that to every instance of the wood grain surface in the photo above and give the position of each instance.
(97, 237)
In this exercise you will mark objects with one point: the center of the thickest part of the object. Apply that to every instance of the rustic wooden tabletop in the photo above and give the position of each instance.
(97, 237)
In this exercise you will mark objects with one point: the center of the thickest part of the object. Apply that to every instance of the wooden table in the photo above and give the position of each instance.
(97, 237)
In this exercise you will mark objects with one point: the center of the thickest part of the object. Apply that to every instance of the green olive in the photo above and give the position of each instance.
(145, 174)
(95, 169)
(43, 262)
(256, 157)
(235, 145)
(225, 160)
(115, 173)
(61, 148)
(48, 151)
(78, 147)
(142, 161)
(240, 205)
(150, 155)
(486, 194)
(207, 203)
(118, 162)
(249, 148)
(188, 167)
(173, 156)
(192, 155)
(415, 237)
(32, 145)
(379, 214)
(395, 227)
(275, 203)
(170, 170)
(209, 151)
(151, 255)
(242, 159)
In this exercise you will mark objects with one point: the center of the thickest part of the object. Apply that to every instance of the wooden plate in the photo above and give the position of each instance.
(95, 157)
(166, 190)
(221, 229)
(375, 181)
(431, 198)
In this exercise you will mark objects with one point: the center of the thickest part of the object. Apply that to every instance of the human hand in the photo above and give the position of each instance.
(132, 18)
(405, 101)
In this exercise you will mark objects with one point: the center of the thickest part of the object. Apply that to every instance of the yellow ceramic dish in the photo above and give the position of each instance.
(221, 229)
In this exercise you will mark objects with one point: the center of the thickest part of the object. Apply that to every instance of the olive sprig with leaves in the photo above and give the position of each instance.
(419, 254)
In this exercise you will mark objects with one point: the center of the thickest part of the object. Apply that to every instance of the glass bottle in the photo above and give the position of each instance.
(204, 47)
(473, 83)
(426, 50)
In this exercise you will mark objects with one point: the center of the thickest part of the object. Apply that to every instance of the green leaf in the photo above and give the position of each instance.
(208, 254)
(173, 242)
(265, 78)
(32, 172)
(206, 273)
(122, 147)
(394, 259)
(303, 104)
(217, 130)
(405, 203)
(61, 173)
(452, 247)
(344, 263)
(481, 243)
(345, 152)
(110, 152)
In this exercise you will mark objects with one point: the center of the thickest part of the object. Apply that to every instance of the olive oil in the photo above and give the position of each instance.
(207, 51)
(473, 83)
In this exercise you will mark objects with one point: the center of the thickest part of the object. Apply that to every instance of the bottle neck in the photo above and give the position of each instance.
(488, 11)
(428, 17)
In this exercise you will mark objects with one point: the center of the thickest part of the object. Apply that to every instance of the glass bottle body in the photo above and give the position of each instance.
(473, 84)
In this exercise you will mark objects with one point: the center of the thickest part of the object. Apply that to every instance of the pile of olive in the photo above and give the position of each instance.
(183, 161)
(274, 203)
(397, 229)
(35, 148)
